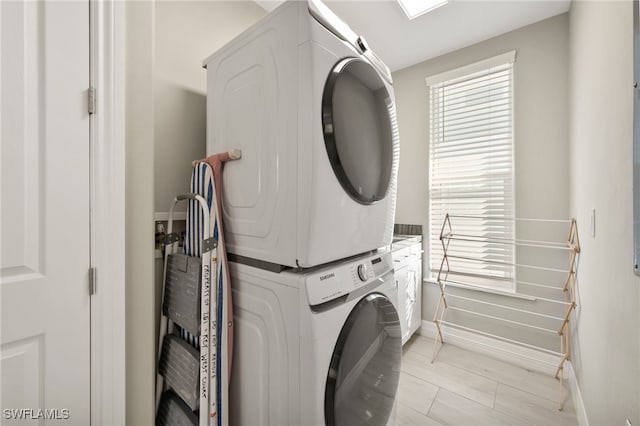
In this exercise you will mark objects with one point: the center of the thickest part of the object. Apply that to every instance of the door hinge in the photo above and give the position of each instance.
(93, 281)
(91, 100)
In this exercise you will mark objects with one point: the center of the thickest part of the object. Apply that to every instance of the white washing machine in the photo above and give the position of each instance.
(315, 348)
(312, 109)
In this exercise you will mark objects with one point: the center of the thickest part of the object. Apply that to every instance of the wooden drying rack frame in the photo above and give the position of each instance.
(569, 289)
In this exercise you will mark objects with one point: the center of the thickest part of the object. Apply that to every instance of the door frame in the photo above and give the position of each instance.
(107, 192)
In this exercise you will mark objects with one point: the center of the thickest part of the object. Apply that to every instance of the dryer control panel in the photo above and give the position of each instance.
(341, 279)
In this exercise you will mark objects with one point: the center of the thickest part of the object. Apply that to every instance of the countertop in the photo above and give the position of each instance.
(402, 241)
(405, 249)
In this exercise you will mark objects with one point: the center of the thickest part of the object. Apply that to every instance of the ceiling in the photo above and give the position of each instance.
(401, 42)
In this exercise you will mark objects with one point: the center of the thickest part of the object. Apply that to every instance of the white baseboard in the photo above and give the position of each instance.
(510, 352)
(576, 396)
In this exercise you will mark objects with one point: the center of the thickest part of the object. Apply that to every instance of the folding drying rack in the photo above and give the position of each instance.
(572, 244)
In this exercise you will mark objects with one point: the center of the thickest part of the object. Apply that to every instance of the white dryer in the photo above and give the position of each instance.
(321, 347)
(312, 109)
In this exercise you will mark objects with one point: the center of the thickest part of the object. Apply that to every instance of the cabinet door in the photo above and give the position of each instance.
(403, 305)
(414, 294)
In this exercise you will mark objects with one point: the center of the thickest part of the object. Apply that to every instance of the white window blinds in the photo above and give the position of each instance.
(471, 171)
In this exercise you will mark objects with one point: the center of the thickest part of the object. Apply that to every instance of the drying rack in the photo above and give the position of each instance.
(572, 245)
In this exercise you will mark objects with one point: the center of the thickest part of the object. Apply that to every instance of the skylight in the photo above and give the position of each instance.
(415, 8)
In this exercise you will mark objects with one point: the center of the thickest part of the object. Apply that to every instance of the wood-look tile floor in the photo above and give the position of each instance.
(465, 388)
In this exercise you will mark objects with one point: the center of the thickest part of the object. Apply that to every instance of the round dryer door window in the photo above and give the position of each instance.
(365, 367)
(360, 132)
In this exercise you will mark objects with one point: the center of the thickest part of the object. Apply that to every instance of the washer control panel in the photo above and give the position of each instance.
(342, 278)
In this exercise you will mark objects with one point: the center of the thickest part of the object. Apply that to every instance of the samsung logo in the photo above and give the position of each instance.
(327, 276)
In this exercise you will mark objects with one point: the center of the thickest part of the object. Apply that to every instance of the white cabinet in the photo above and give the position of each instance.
(407, 257)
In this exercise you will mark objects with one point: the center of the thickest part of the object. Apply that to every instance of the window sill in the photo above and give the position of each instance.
(483, 290)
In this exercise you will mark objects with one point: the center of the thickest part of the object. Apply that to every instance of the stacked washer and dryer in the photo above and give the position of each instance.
(309, 214)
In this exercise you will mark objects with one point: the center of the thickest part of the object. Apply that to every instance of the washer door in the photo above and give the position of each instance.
(365, 367)
(360, 130)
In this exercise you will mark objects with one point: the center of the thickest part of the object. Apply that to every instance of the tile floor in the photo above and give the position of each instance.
(465, 388)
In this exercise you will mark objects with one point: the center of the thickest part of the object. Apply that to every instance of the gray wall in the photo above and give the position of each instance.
(186, 32)
(541, 155)
(540, 113)
(606, 340)
(166, 89)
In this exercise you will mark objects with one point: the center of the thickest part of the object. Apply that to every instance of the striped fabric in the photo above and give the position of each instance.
(201, 184)
(219, 349)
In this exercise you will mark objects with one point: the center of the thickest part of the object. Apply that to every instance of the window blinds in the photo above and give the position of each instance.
(471, 174)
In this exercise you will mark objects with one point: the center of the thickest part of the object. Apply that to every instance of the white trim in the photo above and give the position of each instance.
(108, 214)
(504, 58)
(528, 358)
(576, 395)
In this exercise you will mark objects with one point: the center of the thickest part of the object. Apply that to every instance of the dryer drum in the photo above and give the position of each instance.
(358, 119)
(365, 366)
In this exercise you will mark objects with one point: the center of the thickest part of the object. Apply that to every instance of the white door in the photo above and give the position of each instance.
(44, 259)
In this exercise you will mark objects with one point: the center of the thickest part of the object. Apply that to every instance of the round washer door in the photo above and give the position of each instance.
(365, 367)
(360, 131)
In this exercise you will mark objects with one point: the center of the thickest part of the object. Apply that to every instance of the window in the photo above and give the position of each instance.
(471, 171)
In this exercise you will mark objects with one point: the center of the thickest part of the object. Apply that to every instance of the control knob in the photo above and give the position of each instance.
(363, 272)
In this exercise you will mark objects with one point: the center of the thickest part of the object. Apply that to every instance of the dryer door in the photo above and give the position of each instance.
(365, 367)
(360, 129)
